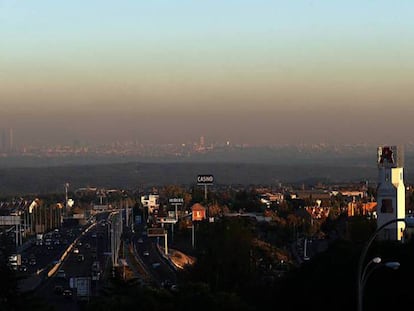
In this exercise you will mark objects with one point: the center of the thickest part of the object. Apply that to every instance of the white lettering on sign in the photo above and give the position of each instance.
(205, 179)
(176, 200)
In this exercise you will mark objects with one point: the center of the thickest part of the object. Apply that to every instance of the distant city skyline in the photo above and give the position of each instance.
(255, 72)
(9, 143)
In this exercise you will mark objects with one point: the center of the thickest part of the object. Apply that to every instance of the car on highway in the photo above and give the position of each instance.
(167, 283)
(76, 250)
(67, 293)
(145, 253)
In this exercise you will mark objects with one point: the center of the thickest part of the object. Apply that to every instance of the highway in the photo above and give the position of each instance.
(63, 267)
(65, 261)
(149, 254)
(76, 270)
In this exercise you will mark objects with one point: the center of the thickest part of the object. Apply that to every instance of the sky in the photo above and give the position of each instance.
(170, 71)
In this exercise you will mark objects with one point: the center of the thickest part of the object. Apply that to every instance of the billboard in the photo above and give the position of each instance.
(205, 179)
(10, 220)
(176, 201)
(152, 232)
(164, 220)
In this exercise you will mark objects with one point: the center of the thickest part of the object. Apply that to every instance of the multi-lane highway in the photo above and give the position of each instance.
(73, 263)
(60, 268)
(73, 280)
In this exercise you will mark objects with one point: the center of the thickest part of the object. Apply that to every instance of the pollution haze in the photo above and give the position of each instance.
(250, 72)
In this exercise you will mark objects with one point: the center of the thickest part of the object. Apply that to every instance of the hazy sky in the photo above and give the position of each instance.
(263, 72)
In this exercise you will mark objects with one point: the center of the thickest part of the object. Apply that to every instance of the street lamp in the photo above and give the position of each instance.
(394, 265)
(362, 258)
(375, 260)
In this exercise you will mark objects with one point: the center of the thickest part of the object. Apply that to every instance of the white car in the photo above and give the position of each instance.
(76, 250)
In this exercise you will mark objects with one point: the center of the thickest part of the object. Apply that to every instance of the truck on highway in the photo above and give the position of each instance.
(14, 261)
(39, 239)
(96, 271)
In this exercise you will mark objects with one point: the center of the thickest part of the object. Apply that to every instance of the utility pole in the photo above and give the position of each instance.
(65, 211)
(192, 235)
(126, 213)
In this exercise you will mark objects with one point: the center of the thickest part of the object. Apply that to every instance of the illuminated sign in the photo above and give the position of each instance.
(176, 200)
(205, 179)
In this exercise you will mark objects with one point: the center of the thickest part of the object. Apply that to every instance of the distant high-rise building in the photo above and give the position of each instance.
(390, 192)
(202, 142)
(3, 140)
(11, 146)
(7, 140)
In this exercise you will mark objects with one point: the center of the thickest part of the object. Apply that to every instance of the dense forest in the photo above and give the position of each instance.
(135, 175)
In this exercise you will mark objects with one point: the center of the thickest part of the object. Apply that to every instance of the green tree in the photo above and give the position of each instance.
(224, 255)
(247, 201)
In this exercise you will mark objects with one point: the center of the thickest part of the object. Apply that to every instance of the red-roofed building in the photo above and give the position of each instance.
(358, 208)
(198, 212)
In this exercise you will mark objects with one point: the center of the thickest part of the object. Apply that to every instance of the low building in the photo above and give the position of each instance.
(198, 212)
(151, 202)
(359, 208)
(313, 194)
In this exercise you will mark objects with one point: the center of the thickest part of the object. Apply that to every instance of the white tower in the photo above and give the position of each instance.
(390, 192)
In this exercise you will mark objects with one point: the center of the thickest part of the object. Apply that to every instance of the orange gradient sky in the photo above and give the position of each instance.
(257, 72)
